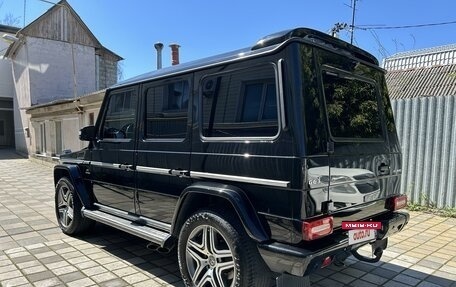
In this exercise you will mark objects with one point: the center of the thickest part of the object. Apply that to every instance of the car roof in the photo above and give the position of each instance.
(265, 45)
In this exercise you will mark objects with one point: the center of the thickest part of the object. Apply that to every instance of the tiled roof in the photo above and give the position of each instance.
(425, 51)
(422, 82)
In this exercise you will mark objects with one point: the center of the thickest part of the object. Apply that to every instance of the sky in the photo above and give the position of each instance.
(205, 28)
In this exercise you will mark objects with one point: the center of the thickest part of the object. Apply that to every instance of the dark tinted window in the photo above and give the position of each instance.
(352, 107)
(167, 110)
(259, 102)
(120, 115)
(242, 103)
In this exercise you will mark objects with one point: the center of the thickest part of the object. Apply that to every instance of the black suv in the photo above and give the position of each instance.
(251, 163)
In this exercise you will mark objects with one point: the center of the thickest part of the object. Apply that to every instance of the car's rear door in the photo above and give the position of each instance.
(363, 153)
(163, 154)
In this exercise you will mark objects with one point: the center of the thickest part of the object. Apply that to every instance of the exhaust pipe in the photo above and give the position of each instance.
(158, 248)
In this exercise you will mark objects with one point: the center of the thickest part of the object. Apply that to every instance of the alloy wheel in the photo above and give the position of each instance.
(209, 258)
(65, 205)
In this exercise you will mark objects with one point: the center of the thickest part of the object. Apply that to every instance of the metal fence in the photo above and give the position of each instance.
(427, 132)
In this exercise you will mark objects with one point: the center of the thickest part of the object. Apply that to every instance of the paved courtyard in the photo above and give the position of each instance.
(33, 251)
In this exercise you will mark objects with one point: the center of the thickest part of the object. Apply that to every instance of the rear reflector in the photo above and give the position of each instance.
(326, 262)
(396, 202)
(318, 228)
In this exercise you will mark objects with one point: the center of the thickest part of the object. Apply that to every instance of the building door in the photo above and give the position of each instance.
(6, 123)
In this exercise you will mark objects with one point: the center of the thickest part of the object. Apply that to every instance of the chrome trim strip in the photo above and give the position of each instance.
(244, 155)
(74, 161)
(105, 164)
(280, 93)
(153, 170)
(254, 180)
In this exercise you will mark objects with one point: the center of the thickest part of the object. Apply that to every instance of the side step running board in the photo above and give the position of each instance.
(145, 232)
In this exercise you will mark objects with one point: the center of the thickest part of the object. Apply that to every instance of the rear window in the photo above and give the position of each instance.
(352, 106)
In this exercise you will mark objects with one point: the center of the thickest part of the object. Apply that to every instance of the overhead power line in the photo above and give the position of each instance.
(368, 27)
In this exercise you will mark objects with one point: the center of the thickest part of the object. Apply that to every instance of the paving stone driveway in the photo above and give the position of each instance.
(33, 251)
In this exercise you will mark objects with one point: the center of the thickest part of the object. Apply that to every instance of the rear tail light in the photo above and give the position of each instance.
(313, 229)
(396, 202)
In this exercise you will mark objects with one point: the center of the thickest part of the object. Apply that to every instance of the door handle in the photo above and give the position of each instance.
(383, 169)
(127, 167)
(179, 172)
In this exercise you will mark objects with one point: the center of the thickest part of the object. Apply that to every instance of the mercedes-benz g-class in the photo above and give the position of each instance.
(248, 162)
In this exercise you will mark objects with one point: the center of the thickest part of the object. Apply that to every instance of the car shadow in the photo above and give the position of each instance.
(134, 251)
(354, 273)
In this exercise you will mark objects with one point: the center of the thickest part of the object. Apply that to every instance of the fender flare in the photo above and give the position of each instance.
(235, 196)
(74, 175)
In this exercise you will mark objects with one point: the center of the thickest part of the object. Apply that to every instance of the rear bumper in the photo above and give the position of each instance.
(284, 258)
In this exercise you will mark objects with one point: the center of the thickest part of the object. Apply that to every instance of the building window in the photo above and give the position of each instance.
(2, 128)
(58, 138)
(259, 102)
(91, 119)
(42, 146)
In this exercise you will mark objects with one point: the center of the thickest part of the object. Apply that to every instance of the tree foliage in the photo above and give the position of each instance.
(352, 108)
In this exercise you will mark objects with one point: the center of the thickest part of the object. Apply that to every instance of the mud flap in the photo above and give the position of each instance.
(286, 280)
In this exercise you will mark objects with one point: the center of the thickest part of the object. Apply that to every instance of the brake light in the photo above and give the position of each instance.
(397, 202)
(313, 229)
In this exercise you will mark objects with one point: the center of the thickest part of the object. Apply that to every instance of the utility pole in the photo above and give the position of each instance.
(352, 26)
(25, 6)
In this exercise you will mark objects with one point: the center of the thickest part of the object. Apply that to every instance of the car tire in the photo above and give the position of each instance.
(68, 208)
(215, 251)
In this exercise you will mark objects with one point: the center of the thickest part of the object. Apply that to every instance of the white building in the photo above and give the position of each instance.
(55, 58)
(57, 124)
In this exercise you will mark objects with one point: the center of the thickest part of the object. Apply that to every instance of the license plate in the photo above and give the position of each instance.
(356, 236)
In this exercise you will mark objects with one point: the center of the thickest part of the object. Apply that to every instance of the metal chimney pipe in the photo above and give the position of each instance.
(159, 47)
(174, 54)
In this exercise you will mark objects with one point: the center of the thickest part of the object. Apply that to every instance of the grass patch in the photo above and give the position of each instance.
(444, 212)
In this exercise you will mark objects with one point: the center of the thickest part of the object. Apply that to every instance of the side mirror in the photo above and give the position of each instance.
(87, 133)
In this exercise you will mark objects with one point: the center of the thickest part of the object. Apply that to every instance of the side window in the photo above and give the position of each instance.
(240, 103)
(119, 121)
(167, 110)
